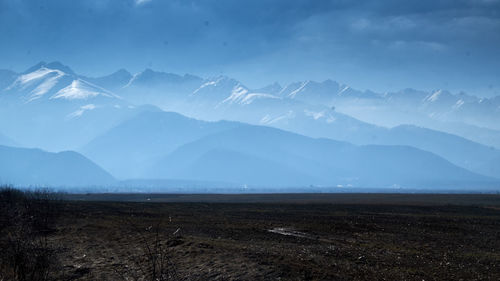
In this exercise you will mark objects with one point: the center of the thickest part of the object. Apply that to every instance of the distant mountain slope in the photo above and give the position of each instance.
(480, 135)
(130, 147)
(55, 109)
(34, 167)
(471, 155)
(113, 82)
(460, 151)
(4, 140)
(159, 88)
(226, 98)
(323, 93)
(53, 127)
(262, 155)
(222, 164)
(53, 81)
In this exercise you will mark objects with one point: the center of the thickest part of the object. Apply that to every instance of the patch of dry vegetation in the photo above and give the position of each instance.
(27, 219)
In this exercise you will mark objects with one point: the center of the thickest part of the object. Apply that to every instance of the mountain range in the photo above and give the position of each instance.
(465, 115)
(306, 133)
(263, 156)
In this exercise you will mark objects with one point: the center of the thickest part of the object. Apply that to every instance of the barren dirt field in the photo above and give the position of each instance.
(321, 237)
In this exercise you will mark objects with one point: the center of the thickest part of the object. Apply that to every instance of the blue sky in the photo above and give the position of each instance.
(381, 45)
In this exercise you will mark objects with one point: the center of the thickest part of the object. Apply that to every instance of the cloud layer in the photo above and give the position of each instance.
(382, 45)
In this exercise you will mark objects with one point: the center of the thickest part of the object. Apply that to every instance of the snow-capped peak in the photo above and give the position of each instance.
(79, 89)
(241, 95)
(298, 90)
(345, 88)
(210, 83)
(38, 74)
(434, 96)
(145, 74)
(458, 104)
(55, 65)
(237, 94)
(43, 80)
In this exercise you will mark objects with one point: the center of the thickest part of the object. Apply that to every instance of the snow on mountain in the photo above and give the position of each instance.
(227, 98)
(429, 109)
(241, 95)
(216, 90)
(51, 82)
(305, 104)
(299, 87)
(192, 95)
(438, 95)
(449, 101)
(79, 89)
(237, 95)
(458, 104)
(324, 93)
(57, 109)
(271, 120)
(221, 82)
(52, 65)
(252, 97)
(37, 83)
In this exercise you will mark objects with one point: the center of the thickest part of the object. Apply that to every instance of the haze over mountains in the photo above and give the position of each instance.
(155, 125)
(27, 167)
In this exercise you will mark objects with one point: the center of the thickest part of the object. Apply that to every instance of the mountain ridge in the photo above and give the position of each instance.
(77, 110)
(34, 167)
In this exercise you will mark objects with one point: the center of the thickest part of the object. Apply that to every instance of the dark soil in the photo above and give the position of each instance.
(400, 240)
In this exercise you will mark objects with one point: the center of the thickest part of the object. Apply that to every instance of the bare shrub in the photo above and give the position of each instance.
(154, 263)
(26, 220)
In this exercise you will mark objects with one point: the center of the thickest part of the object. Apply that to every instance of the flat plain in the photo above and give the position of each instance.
(280, 236)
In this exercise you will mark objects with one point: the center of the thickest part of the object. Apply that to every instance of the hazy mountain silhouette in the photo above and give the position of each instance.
(460, 151)
(251, 155)
(113, 82)
(34, 167)
(129, 148)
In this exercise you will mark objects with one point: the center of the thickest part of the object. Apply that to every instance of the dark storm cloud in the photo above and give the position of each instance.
(377, 44)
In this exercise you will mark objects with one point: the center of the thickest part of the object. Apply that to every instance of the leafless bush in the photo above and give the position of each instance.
(154, 263)
(26, 220)
(43, 209)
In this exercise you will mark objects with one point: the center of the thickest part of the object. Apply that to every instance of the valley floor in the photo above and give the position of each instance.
(321, 237)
